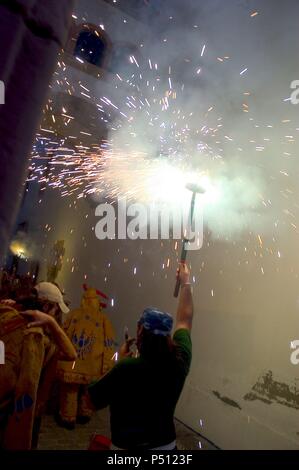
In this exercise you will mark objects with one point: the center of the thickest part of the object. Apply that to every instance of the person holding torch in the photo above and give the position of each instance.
(142, 392)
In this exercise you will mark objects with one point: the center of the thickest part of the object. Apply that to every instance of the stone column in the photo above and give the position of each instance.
(31, 34)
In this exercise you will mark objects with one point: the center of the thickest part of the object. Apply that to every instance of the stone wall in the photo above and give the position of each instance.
(31, 34)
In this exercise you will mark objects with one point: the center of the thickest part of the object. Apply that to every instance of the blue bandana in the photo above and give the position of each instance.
(158, 323)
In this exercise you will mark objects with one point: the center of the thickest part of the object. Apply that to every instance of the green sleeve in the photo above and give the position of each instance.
(183, 344)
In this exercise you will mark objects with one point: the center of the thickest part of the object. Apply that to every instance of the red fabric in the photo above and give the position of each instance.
(99, 442)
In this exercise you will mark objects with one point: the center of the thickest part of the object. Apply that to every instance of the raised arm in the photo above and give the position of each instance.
(64, 344)
(185, 308)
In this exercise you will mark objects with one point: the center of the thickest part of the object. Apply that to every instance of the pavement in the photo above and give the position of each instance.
(53, 437)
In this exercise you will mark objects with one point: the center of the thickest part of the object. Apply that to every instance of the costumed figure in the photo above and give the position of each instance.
(31, 354)
(92, 335)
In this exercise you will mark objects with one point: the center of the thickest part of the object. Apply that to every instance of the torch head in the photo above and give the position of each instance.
(195, 188)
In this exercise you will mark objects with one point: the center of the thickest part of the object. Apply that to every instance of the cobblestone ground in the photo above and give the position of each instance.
(52, 437)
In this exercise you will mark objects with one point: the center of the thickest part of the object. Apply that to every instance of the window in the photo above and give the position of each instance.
(91, 47)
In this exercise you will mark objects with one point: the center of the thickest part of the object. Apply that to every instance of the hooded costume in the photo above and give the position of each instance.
(92, 335)
(24, 378)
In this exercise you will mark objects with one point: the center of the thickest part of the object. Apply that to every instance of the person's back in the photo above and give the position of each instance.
(143, 392)
(26, 352)
(142, 410)
(32, 341)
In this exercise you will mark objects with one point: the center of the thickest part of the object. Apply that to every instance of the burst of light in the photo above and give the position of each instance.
(18, 249)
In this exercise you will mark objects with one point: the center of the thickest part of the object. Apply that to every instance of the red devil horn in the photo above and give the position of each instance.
(101, 294)
(85, 286)
(103, 305)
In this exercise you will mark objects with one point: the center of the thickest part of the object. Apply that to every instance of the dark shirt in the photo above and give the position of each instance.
(142, 396)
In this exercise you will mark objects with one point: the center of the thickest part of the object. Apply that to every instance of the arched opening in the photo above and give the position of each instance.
(91, 47)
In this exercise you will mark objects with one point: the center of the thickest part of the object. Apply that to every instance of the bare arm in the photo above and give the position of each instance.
(64, 344)
(185, 308)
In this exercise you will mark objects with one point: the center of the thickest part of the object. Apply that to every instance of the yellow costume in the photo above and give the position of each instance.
(92, 335)
(24, 378)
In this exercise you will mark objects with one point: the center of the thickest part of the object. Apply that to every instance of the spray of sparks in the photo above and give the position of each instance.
(152, 152)
(154, 145)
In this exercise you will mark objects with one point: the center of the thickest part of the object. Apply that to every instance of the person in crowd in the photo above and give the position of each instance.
(33, 342)
(92, 335)
(142, 392)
